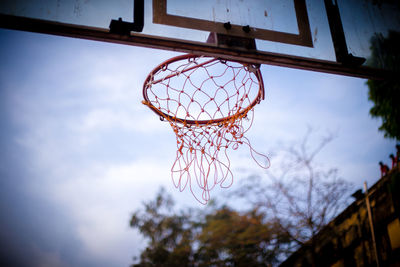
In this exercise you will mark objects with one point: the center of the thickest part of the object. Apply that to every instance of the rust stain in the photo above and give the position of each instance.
(315, 34)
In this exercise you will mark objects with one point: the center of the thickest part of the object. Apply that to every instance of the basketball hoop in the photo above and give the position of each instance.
(209, 104)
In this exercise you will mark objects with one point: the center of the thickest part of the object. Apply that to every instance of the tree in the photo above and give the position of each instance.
(170, 236)
(302, 197)
(211, 237)
(230, 238)
(386, 93)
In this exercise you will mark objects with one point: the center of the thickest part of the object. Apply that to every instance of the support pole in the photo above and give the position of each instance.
(371, 224)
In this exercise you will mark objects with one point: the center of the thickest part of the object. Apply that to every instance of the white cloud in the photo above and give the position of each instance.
(101, 199)
(139, 121)
(46, 258)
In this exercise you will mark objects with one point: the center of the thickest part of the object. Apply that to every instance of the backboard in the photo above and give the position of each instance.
(333, 36)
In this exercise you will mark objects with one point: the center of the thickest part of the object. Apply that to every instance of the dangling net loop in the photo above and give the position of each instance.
(209, 104)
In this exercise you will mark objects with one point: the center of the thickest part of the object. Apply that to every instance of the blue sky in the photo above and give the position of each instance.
(80, 153)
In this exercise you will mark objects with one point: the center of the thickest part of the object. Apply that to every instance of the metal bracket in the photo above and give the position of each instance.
(224, 40)
(123, 27)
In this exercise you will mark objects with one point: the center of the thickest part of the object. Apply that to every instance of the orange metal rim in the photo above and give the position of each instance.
(260, 95)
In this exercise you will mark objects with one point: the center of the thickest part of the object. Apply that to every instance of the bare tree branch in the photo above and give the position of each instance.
(299, 195)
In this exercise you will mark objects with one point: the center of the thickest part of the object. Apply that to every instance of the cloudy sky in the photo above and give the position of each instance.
(80, 153)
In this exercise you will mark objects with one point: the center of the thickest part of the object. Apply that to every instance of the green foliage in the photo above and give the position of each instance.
(216, 237)
(170, 236)
(229, 238)
(386, 93)
(386, 98)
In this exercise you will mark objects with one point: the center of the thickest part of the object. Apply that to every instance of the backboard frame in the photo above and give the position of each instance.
(160, 16)
(200, 48)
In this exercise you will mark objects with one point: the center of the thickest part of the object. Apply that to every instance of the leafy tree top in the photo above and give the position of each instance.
(385, 94)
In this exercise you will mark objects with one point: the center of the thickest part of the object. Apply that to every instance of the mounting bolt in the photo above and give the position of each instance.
(246, 29)
(227, 25)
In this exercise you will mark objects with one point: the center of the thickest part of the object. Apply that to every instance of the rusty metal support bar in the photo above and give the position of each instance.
(371, 224)
(100, 34)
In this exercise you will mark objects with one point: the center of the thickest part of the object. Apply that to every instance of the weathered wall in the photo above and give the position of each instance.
(347, 240)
